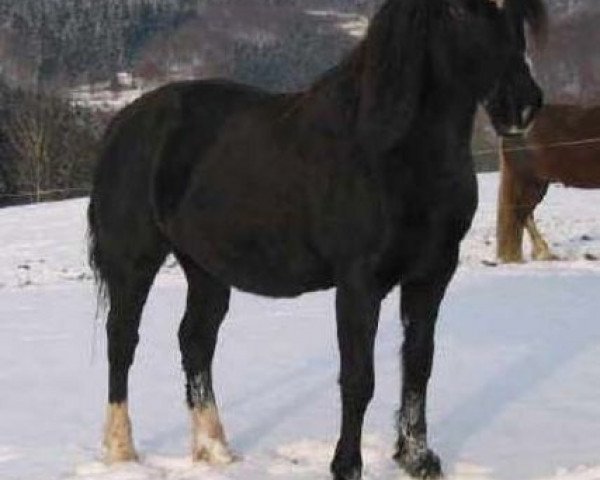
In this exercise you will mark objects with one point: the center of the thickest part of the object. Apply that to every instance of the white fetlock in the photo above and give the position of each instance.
(208, 438)
(118, 438)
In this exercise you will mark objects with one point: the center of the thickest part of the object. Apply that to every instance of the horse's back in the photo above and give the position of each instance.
(192, 111)
(202, 110)
(564, 123)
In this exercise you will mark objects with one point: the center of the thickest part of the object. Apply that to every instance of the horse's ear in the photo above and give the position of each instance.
(391, 70)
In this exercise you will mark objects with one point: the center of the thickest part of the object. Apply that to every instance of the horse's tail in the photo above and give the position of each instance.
(95, 254)
(125, 244)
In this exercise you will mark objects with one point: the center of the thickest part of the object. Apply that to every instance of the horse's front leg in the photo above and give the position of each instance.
(419, 308)
(357, 308)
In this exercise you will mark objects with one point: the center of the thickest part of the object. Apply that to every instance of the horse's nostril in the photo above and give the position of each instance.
(526, 115)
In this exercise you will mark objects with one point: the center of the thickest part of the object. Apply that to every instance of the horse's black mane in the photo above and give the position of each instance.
(384, 29)
(396, 32)
(360, 87)
(534, 13)
(382, 42)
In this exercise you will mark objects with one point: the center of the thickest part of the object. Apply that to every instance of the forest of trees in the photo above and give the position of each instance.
(47, 147)
(49, 47)
(58, 43)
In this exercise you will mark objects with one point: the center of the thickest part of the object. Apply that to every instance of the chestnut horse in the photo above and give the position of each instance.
(562, 146)
(362, 182)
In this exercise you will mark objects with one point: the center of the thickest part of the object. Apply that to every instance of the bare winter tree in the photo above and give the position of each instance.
(27, 134)
(51, 144)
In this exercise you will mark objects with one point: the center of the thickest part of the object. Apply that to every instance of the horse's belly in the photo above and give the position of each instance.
(274, 271)
(577, 168)
(257, 258)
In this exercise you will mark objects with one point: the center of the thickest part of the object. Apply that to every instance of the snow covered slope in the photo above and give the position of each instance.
(515, 393)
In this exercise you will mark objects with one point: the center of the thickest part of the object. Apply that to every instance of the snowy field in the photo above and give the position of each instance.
(515, 393)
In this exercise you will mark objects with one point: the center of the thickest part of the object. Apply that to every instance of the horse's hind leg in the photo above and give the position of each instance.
(539, 247)
(207, 304)
(128, 285)
(534, 194)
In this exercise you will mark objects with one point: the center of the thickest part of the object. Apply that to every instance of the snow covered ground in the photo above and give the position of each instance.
(515, 393)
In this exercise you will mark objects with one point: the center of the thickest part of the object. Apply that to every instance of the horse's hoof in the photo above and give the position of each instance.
(546, 257)
(422, 466)
(215, 453)
(346, 469)
(117, 452)
(354, 474)
(514, 260)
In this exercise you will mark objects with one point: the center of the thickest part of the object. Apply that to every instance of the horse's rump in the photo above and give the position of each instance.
(146, 160)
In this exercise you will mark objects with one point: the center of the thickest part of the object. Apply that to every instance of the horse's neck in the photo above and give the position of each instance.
(386, 94)
(441, 132)
(334, 93)
(377, 88)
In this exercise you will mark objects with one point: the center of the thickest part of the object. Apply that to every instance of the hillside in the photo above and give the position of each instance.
(91, 58)
(568, 65)
(278, 44)
(62, 43)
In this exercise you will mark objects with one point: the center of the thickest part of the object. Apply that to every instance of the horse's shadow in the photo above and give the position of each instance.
(307, 372)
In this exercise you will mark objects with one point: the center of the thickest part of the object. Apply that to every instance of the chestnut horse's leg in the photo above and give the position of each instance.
(511, 211)
(128, 290)
(533, 194)
(521, 190)
(207, 304)
(420, 302)
(540, 249)
(357, 309)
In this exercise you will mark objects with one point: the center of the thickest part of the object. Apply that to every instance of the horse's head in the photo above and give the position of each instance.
(456, 52)
(479, 46)
(514, 100)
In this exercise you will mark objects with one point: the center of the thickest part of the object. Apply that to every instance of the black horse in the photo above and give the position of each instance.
(362, 182)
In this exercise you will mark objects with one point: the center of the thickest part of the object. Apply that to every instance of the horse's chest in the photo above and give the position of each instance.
(428, 226)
